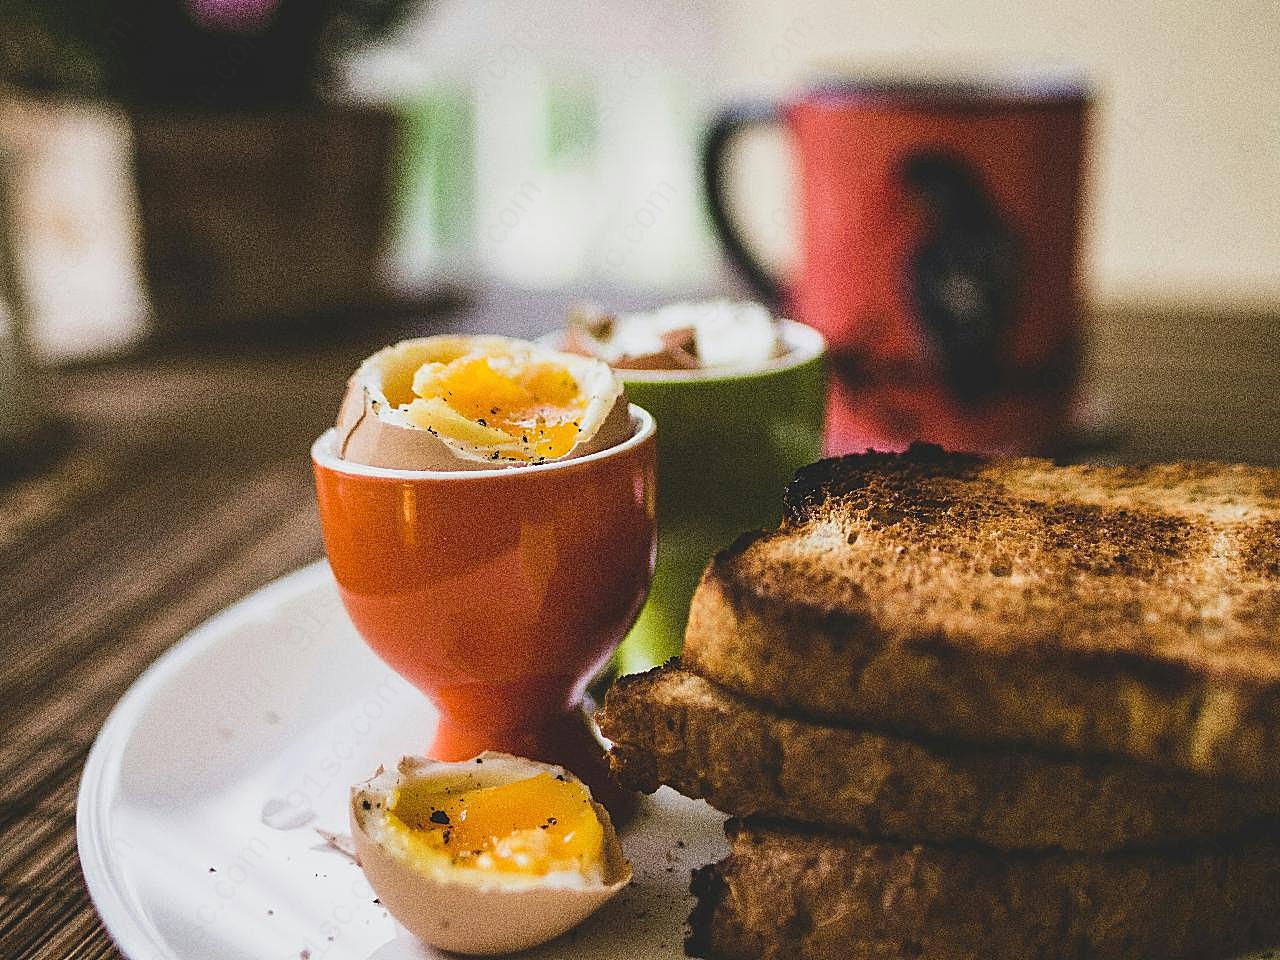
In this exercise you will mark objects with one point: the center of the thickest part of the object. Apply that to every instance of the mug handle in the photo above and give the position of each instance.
(725, 127)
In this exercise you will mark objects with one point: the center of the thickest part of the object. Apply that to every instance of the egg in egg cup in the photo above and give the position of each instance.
(498, 592)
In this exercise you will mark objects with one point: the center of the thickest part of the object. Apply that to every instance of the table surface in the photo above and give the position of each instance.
(186, 485)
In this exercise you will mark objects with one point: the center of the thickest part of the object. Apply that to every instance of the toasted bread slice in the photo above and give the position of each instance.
(1124, 610)
(670, 726)
(788, 895)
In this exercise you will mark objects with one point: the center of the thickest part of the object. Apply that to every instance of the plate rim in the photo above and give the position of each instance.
(129, 929)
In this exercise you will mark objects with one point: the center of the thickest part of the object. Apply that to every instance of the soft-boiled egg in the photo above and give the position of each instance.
(485, 856)
(478, 402)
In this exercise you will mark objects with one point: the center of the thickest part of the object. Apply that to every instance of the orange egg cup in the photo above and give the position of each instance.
(498, 593)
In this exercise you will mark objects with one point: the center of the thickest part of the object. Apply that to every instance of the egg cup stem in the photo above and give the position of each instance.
(562, 737)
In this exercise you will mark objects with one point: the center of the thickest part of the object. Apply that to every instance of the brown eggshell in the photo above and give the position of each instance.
(368, 433)
(469, 912)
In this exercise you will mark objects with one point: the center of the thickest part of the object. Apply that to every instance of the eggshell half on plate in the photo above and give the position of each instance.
(373, 431)
(467, 910)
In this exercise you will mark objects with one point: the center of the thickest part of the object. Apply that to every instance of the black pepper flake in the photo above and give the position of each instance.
(680, 844)
(552, 820)
(439, 816)
(448, 835)
(495, 455)
(213, 870)
(366, 805)
(493, 410)
(479, 759)
(482, 421)
(542, 826)
(560, 777)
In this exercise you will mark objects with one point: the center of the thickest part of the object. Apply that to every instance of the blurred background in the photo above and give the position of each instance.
(180, 171)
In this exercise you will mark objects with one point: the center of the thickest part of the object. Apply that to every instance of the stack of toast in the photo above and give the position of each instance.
(961, 708)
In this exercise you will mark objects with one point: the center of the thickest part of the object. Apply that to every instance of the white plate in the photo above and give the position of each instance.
(277, 706)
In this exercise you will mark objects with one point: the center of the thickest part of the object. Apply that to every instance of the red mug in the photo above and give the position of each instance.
(939, 238)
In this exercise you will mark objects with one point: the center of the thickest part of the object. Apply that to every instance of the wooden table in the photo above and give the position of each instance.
(187, 485)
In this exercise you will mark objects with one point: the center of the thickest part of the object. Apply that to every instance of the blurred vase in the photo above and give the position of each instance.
(255, 218)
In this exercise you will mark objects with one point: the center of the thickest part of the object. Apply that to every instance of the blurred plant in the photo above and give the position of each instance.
(187, 54)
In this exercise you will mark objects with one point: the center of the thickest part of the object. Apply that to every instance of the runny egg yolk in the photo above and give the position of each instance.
(529, 410)
(540, 825)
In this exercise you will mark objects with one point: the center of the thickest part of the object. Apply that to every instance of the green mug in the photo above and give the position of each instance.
(729, 441)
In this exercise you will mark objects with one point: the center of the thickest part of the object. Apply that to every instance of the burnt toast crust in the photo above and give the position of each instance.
(672, 727)
(788, 895)
(1115, 610)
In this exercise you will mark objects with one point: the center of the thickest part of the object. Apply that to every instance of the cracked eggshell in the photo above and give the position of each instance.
(465, 910)
(373, 432)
